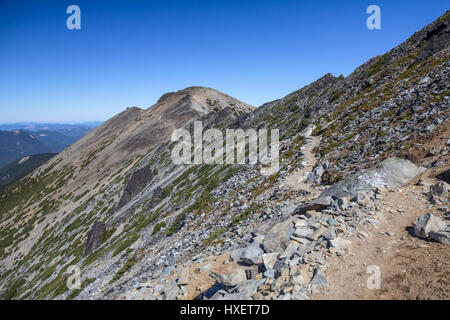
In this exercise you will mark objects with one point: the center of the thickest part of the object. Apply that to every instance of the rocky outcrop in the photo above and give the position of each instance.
(138, 181)
(156, 197)
(94, 237)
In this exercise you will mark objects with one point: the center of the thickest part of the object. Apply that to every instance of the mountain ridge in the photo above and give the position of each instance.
(182, 216)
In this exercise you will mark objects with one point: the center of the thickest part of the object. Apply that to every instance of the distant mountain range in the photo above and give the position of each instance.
(79, 129)
(24, 139)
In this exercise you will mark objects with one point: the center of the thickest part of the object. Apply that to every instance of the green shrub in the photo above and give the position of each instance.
(213, 236)
(12, 291)
(132, 238)
(158, 227)
(127, 266)
(176, 224)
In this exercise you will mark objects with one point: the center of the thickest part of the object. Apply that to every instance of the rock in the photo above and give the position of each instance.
(298, 223)
(444, 176)
(329, 234)
(316, 234)
(228, 275)
(277, 238)
(391, 173)
(171, 291)
(439, 191)
(248, 289)
(235, 255)
(362, 234)
(361, 196)
(270, 273)
(314, 205)
(288, 210)
(156, 197)
(426, 223)
(94, 237)
(299, 280)
(343, 202)
(290, 249)
(206, 267)
(442, 236)
(319, 279)
(300, 295)
(252, 272)
(252, 254)
(340, 244)
(315, 176)
(138, 181)
(303, 232)
(300, 240)
(269, 260)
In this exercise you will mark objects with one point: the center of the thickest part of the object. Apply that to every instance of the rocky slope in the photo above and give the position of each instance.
(140, 227)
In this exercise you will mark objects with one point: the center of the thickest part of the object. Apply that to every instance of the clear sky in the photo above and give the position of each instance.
(128, 53)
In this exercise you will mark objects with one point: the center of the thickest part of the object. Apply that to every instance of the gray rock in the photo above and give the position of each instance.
(300, 295)
(427, 223)
(290, 249)
(439, 191)
(340, 244)
(139, 179)
(270, 273)
(303, 232)
(316, 205)
(277, 237)
(319, 279)
(315, 176)
(391, 173)
(329, 234)
(235, 255)
(343, 202)
(94, 237)
(228, 275)
(171, 291)
(442, 236)
(252, 254)
(269, 259)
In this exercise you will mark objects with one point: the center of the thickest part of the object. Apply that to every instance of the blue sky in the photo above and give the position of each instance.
(128, 53)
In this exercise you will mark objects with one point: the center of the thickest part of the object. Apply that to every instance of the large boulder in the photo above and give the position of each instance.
(428, 223)
(391, 173)
(318, 204)
(278, 236)
(138, 181)
(228, 275)
(438, 191)
(252, 254)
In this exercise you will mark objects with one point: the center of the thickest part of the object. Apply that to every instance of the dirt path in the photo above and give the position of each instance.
(296, 179)
(410, 268)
